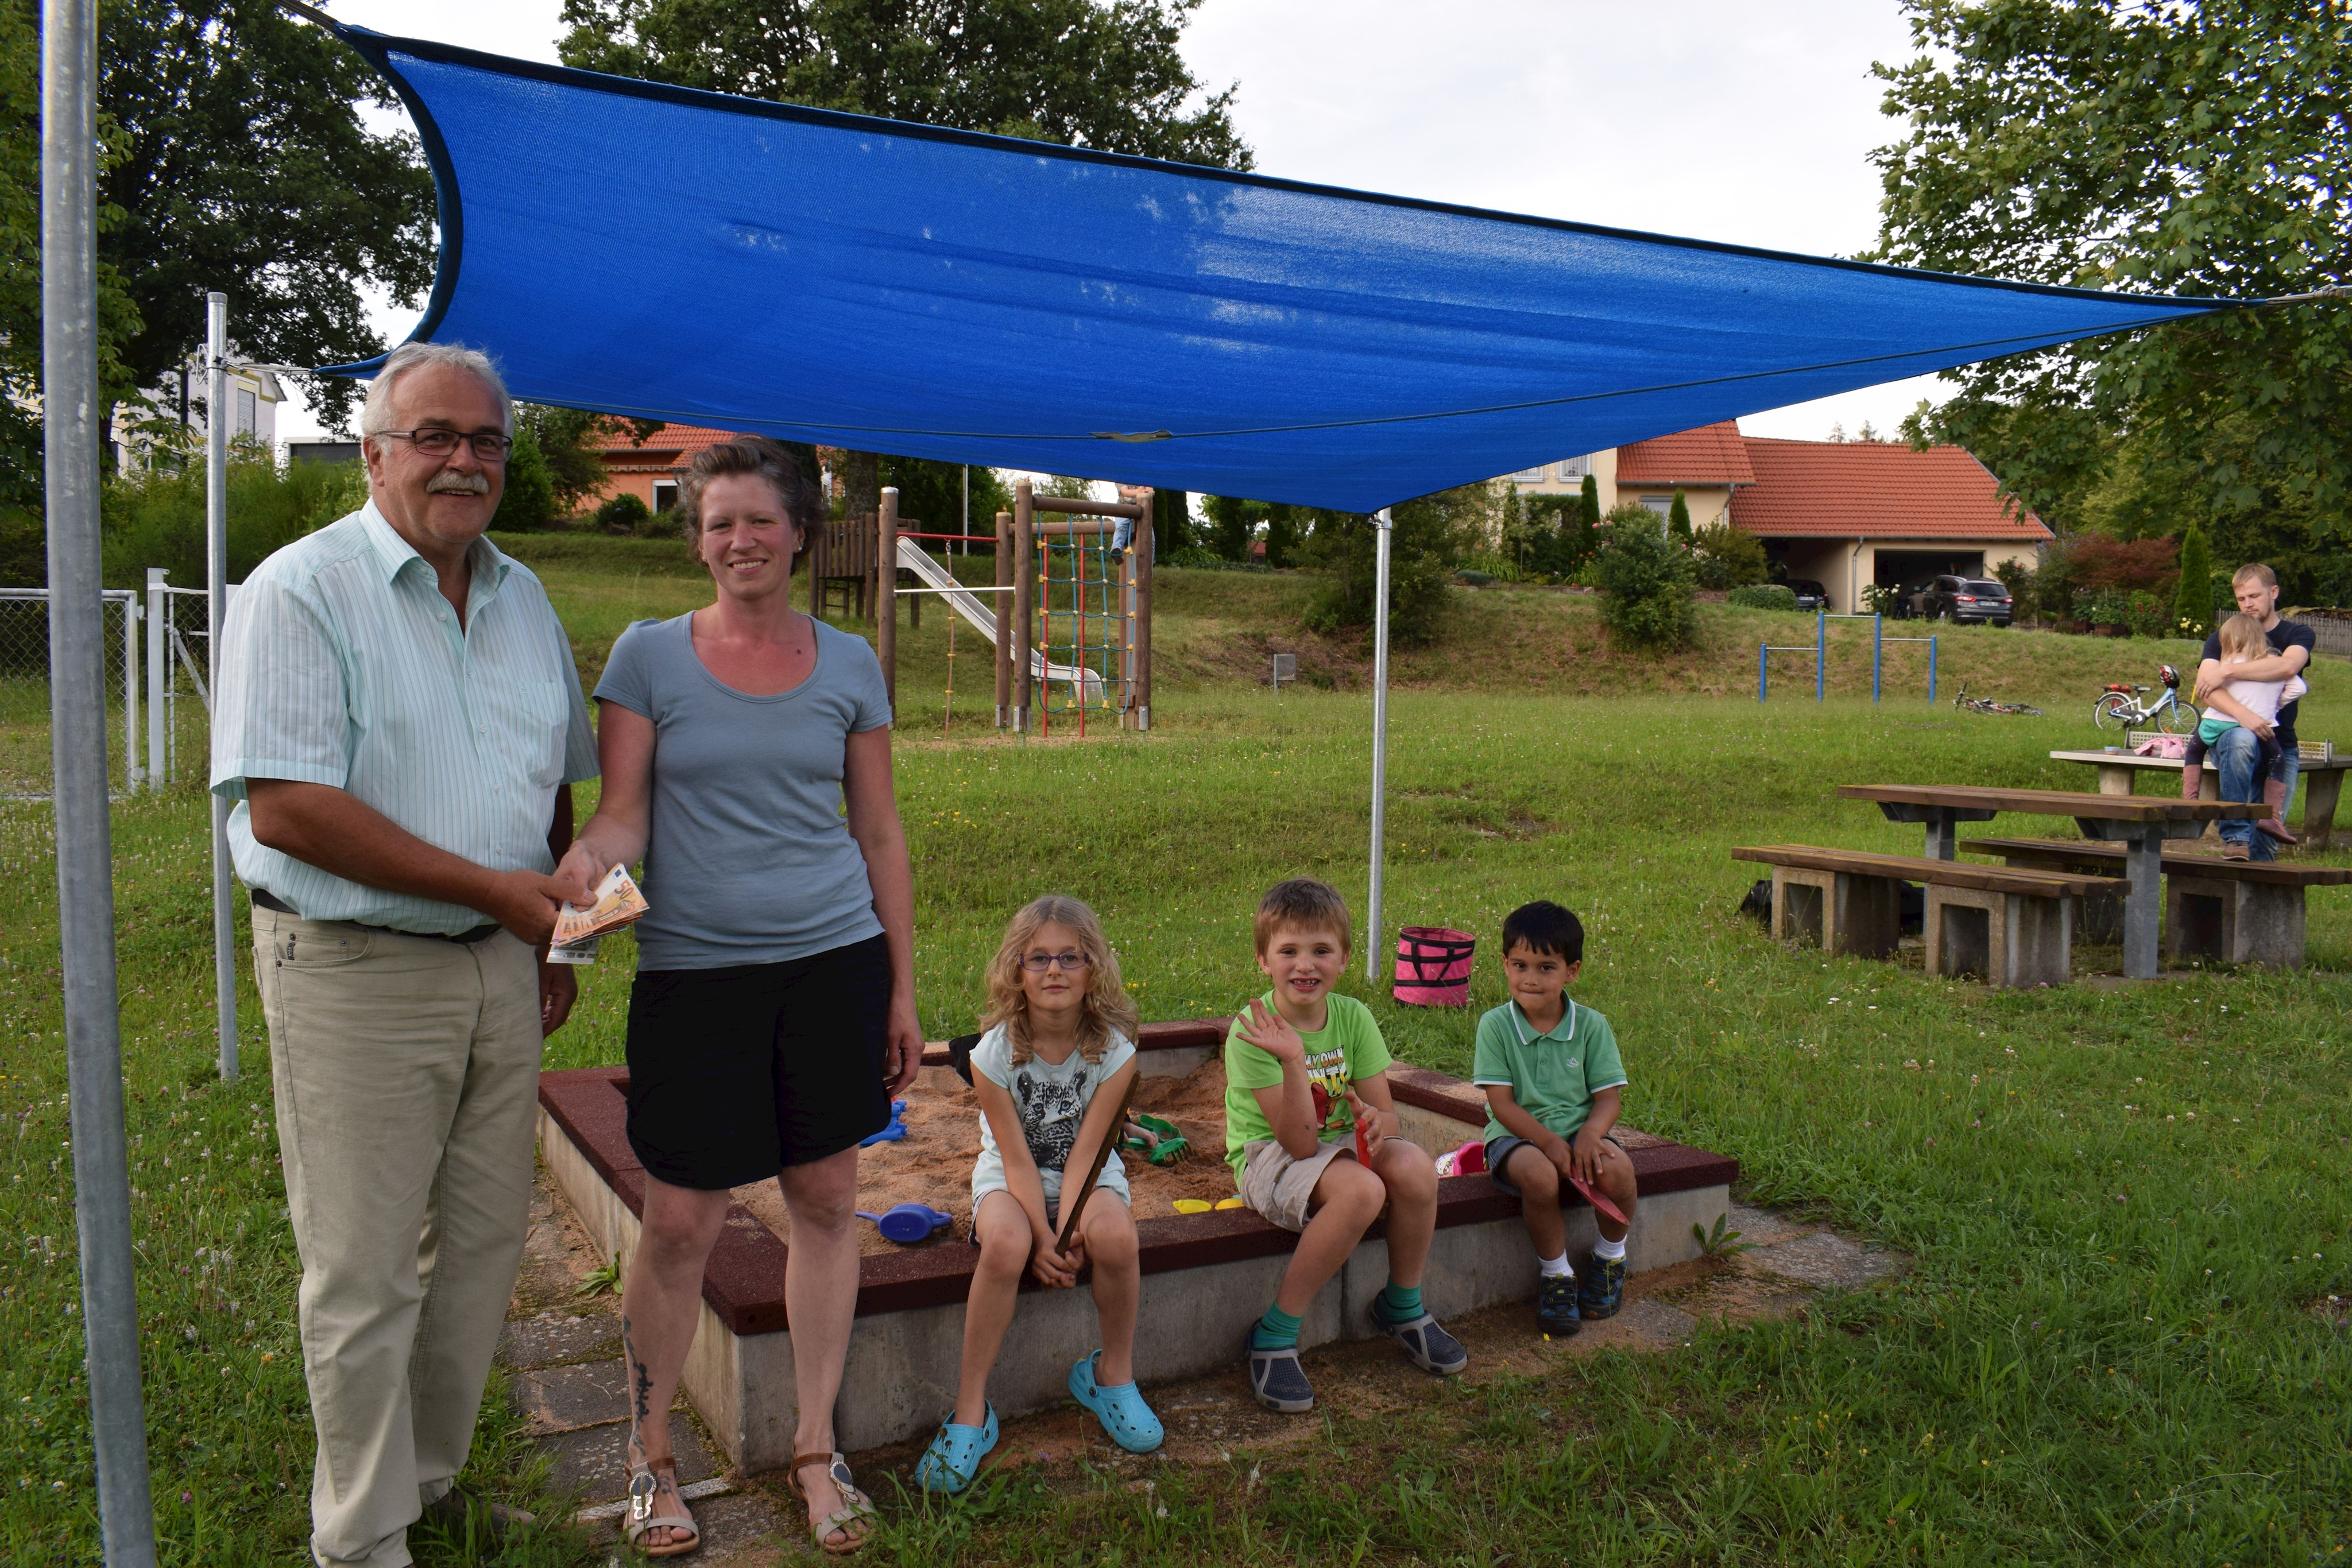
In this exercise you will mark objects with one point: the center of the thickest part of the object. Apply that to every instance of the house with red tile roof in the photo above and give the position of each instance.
(649, 470)
(1845, 514)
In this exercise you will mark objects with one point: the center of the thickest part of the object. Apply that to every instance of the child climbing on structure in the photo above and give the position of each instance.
(1052, 1072)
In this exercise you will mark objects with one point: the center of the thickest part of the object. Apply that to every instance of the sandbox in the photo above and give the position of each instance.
(1208, 1276)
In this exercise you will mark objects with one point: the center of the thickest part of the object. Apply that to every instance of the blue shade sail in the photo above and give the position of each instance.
(658, 252)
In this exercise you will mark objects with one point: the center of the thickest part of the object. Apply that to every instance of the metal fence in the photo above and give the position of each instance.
(157, 683)
(25, 757)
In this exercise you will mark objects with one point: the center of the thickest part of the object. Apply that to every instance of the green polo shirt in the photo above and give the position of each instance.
(1346, 1051)
(1553, 1075)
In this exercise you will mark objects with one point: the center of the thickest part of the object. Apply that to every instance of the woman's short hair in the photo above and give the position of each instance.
(762, 459)
(1106, 1006)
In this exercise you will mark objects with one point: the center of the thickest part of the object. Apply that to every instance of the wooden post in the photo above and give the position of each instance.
(812, 562)
(1025, 523)
(886, 587)
(1131, 604)
(1001, 606)
(1141, 554)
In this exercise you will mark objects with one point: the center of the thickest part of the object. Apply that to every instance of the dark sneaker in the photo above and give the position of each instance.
(1556, 1305)
(1276, 1378)
(1424, 1342)
(1601, 1286)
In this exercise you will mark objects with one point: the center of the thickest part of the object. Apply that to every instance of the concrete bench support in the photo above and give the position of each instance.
(1837, 911)
(2012, 939)
(2232, 922)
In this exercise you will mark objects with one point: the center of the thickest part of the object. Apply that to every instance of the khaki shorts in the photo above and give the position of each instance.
(1279, 1188)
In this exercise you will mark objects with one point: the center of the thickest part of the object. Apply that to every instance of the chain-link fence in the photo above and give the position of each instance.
(25, 757)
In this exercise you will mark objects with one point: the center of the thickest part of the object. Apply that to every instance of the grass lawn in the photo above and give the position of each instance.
(2129, 1206)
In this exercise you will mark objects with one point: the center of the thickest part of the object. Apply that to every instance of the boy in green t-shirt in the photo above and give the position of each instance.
(1552, 1079)
(1310, 1132)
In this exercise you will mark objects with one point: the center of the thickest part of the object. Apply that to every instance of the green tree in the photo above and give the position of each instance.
(2192, 599)
(528, 500)
(2196, 149)
(1427, 538)
(1678, 525)
(1646, 582)
(1231, 526)
(931, 494)
(20, 263)
(243, 156)
(1171, 522)
(1726, 556)
(570, 442)
(1106, 74)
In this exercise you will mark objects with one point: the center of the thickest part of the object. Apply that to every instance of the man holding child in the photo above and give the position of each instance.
(2237, 752)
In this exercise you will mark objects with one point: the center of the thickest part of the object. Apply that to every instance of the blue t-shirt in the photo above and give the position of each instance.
(749, 859)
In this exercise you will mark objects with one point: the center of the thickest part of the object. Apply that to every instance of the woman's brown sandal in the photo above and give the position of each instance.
(855, 1507)
(645, 1483)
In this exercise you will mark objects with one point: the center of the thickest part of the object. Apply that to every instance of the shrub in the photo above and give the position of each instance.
(157, 518)
(1427, 543)
(528, 500)
(1728, 557)
(1763, 596)
(1646, 582)
(1881, 598)
(623, 514)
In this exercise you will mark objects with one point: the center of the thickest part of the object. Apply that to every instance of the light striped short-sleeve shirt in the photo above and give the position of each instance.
(341, 663)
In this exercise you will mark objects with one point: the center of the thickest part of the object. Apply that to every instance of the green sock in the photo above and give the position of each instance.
(1276, 1331)
(1401, 1302)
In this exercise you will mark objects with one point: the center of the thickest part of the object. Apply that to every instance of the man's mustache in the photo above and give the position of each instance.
(448, 484)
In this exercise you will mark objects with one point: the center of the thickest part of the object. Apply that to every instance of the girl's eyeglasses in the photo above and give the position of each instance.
(1038, 963)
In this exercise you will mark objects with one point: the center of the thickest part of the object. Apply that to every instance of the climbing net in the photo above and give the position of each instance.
(1086, 623)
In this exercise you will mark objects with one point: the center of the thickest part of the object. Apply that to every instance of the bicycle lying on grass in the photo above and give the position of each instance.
(1968, 703)
(2119, 708)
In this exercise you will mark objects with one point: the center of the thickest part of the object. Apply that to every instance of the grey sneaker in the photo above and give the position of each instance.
(1424, 1342)
(1276, 1378)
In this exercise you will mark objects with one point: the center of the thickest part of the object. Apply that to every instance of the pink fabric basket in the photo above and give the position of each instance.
(1432, 967)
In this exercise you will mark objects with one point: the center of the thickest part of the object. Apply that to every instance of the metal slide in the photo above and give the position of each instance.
(974, 609)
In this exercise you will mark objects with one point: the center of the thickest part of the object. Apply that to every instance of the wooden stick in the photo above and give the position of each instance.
(1086, 1190)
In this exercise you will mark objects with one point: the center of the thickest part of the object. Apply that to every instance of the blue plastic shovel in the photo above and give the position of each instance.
(908, 1223)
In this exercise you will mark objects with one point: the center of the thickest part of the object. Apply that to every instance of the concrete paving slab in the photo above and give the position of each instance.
(561, 1399)
(1827, 1261)
(555, 1337)
(591, 1461)
(1762, 1227)
(1656, 1322)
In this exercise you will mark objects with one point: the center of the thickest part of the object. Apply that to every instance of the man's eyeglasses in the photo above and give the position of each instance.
(487, 447)
(1038, 963)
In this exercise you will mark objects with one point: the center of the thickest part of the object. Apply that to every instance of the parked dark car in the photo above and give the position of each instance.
(1811, 595)
(1965, 599)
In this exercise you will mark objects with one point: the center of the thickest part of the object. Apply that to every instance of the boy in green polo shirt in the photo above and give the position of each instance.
(1552, 1079)
(1311, 1134)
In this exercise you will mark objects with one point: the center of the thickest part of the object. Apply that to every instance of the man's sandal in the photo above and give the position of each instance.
(645, 1483)
(855, 1507)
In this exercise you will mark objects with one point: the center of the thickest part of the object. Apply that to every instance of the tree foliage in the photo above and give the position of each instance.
(1426, 541)
(246, 167)
(2192, 599)
(1647, 596)
(2163, 148)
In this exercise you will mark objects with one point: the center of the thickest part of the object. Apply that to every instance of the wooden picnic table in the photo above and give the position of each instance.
(2323, 783)
(2141, 823)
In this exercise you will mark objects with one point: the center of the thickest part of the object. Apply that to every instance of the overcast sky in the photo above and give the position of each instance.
(1727, 121)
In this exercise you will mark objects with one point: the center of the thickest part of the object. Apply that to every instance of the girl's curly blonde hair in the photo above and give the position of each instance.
(1106, 1006)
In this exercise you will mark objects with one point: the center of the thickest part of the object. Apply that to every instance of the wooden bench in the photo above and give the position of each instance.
(2234, 912)
(2321, 776)
(2015, 928)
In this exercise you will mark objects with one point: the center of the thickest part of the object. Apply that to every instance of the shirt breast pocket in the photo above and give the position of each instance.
(527, 731)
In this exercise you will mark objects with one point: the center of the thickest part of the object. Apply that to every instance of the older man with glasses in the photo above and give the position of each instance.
(398, 717)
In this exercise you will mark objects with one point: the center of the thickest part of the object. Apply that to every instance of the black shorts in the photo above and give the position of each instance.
(735, 1074)
(1500, 1148)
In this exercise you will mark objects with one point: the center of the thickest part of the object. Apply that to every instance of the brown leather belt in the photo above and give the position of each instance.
(264, 899)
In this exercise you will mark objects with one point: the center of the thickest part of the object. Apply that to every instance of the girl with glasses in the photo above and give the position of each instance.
(1052, 1072)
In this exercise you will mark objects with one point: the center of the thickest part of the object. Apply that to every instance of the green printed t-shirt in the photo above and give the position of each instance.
(1347, 1048)
(1554, 1075)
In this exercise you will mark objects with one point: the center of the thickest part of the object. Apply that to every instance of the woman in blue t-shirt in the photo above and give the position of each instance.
(772, 1016)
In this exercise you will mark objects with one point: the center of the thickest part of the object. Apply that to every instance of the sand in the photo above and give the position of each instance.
(933, 1163)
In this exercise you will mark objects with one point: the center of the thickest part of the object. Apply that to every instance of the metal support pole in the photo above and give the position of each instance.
(72, 416)
(965, 548)
(886, 578)
(1820, 654)
(1763, 663)
(1146, 545)
(159, 675)
(1931, 669)
(132, 774)
(1373, 927)
(215, 614)
(1877, 653)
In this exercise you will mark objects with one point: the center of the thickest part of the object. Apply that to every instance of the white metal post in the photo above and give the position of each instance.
(72, 420)
(159, 671)
(216, 611)
(1373, 939)
(132, 774)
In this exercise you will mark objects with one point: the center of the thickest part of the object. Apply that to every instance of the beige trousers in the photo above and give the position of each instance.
(406, 1076)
